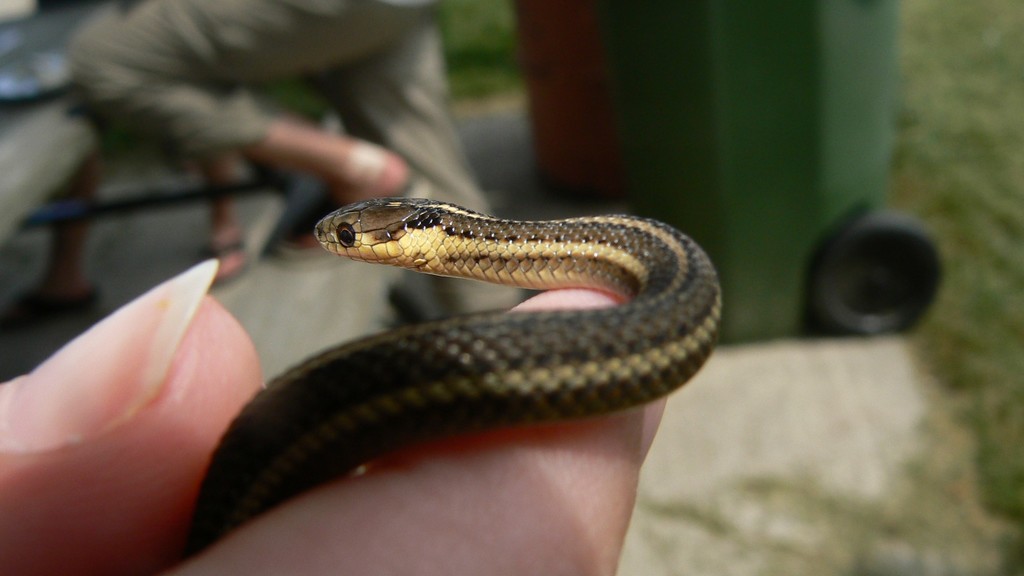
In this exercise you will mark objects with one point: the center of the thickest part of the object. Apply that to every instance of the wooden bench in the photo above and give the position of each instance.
(40, 149)
(41, 144)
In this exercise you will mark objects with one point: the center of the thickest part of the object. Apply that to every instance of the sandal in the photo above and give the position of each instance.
(300, 237)
(34, 308)
(234, 250)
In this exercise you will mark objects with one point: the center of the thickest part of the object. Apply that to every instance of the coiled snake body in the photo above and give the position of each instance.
(348, 405)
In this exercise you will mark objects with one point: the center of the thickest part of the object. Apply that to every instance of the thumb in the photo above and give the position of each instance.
(103, 445)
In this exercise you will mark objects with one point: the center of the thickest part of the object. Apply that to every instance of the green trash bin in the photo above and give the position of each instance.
(765, 129)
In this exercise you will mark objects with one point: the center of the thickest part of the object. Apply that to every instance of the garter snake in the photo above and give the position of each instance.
(338, 410)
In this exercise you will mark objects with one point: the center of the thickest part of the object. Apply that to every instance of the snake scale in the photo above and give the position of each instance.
(340, 409)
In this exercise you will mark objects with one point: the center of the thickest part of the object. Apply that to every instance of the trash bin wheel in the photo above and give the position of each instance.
(877, 275)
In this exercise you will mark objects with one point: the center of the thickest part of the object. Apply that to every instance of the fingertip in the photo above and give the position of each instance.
(217, 367)
(133, 485)
(106, 375)
(569, 298)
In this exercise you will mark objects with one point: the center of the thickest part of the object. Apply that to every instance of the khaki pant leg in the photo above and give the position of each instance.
(181, 68)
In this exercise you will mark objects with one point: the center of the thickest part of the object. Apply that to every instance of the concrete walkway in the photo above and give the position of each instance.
(811, 457)
(793, 457)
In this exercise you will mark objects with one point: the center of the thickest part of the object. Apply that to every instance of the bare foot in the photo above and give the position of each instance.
(228, 247)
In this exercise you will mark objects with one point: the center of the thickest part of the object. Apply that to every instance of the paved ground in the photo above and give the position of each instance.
(793, 457)
(810, 457)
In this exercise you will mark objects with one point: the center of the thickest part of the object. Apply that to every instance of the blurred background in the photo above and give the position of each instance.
(833, 156)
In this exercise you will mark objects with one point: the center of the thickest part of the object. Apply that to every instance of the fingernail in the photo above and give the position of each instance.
(106, 375)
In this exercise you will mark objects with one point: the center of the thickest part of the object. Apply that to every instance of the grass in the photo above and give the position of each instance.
(480, 47)
(960, 165)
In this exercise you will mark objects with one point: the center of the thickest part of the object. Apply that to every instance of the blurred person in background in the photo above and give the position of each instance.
(185, 71)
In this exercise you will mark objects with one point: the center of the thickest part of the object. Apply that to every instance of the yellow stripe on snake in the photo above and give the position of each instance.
(355, 402)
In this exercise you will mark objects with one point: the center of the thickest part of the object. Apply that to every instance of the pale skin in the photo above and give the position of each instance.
(553, 500)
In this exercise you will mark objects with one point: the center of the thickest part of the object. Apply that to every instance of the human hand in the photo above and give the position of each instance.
(103, 447)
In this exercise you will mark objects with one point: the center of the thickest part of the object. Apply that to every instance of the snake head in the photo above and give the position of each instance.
(372, 231)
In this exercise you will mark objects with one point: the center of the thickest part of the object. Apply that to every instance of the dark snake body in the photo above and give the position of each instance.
(336, 411)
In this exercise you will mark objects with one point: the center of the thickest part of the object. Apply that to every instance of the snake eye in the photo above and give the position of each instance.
(346, 235)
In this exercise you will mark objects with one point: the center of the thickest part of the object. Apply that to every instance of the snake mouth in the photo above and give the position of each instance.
(338, 231)
(373, 246)
(329, 241)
